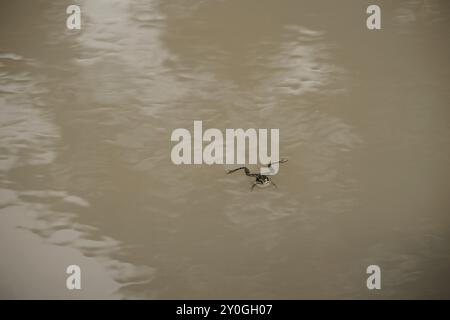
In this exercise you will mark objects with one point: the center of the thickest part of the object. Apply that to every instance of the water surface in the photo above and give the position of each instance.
(86, 176)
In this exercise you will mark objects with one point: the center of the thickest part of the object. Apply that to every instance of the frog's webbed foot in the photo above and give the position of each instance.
(273, 183)
(253, 186)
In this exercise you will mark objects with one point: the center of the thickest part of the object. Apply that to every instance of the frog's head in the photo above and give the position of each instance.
(262, 179)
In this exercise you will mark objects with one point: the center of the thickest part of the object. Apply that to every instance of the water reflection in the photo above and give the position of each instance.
(85, 138)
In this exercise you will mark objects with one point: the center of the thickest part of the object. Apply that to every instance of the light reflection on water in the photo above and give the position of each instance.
(85, 139)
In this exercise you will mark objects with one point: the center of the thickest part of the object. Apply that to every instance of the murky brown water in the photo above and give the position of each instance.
(86, 176)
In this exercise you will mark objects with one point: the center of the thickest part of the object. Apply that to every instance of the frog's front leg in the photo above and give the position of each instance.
(273, 183)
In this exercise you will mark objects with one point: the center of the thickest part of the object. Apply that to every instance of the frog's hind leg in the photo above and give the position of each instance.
(247, 171)
(253, 186)
(279, 161)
